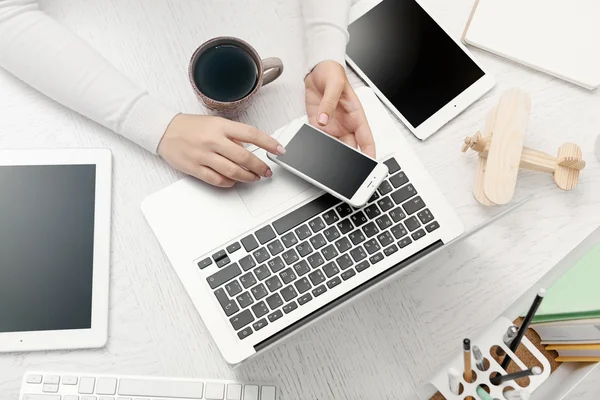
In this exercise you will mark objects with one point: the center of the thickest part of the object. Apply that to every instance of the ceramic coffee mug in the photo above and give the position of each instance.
(221, 72)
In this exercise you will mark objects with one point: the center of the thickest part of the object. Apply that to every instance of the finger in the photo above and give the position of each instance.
(250, 134)
(349, 140)
(330, 100)
(241, 156)
(211, 177)
(362, 130)
(230, 170)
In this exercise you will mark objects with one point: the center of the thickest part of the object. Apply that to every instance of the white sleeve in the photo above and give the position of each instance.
(39, 51)
(326, 30)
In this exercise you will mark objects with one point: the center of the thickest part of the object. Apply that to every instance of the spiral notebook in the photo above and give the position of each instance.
(558, 37)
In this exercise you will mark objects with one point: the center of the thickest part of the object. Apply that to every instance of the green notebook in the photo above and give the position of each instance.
(576, 294)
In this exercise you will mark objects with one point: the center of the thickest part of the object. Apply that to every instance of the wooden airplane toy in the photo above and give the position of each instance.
(501, 153)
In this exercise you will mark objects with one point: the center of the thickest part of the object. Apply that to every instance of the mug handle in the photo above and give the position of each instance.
(273, 68)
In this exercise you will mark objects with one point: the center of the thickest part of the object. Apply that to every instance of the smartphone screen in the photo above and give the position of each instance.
(327, 161)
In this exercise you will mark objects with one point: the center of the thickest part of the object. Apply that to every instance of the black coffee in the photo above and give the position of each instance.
(225, 73)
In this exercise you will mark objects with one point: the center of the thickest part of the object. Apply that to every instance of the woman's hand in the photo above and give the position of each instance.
(333, 107)
(210, 148)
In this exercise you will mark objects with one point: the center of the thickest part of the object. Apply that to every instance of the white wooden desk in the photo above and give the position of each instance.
(381, 347)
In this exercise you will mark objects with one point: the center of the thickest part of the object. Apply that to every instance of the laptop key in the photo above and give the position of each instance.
(334, 282)
(260, 309)
(316, 224)
(259, 291)
(384, 188)
(412, 223)
(372, 211)
(241, 320)
(385, 238)
(262, 272)
(398, 231)
(304, 213)
(399, 179)
(304, 249)
(290, 256)
(376, 258)
(316, 277)
(226, 303)
(344, 261)
(302, 285)
(344, 210)
(224, 275)
(372, 246)
(358, 219)
(288, 308)
(289, 239)
(388, 251)
(244, 333)
(318, 241)
(289, 293)
(392, 165)
(343, 245)
(261, 255)
(275, 316)
(373, 197)
(233, 247)
(303, 232)
(223, 262)
(386, 204)
(383, 222)
(330, 217)
(249, 243)
(304, 299)
(204, 263)
(258, 325)
(345, 226)
(362, 266)
(315, 260)
(370, 229)
(319, 290)
(357, 237)
(330, 269)
(397, 214)
(275, 247)
(358, 254)
(276, 264)
(247, 263)
(432, 226)
(301, 268)
(348, 274)
(404, 242)
(273, 283)
(331, 233)
(287, 276)
(248, 280)
(425, 216)
(418, 234)
(218, 255)
(274, 301)
(413, 205)
(244, 299)
(329, 252)
(404, 193)
(233, 288)
(265, 234)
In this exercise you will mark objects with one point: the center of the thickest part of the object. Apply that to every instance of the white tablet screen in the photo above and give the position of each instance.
(46, 247)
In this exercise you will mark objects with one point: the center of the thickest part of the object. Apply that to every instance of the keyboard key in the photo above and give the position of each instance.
(315, 260)
(404, 242)
(372, 211)
(303, 232)
(384, 188)
(418, 234)
(348, 274)
(50, 388)
(237, 321)
(399, 179)
(35, 379)
(244, 299)
(224, 276)
(301, 268)
(247, 263)
(276, 264)
(218, 255)
(357, 237)
(319, 290)
(234, 392)
(343, 245)
(249, 243)
(302, 285)
(370, 229)
(318, 241)
(413, 205)
(372, 246)
(275, 247)
(214, 391)
(248, 280)
(259, 291)
(262, 272)
(392, 165)
(258, 325)
(425, 216)
(345, 226)
(86, 386)
(344, 210)
(344, 261)
(274, 301)
(358, 254)
(289, 239)
(304, 299)
(334, 282)
(275, 316)
(412, 223)
(226, 303)
(223, 262)
(288, 308)
(385, 239)
(232, 248)
(329, 252)
(251, 392)
(274, 284)
(265, 234)
(304, 249)
(331, 233)
(432, 226)
(75, 397)
(362, 266)
(261, 255)
(316, 277)
(390, 250)
(290, 256)
(376, 258)
(260, 309)
(233, 288)
(404, 193)
(386, 203)
(268, 393)
(330, 269)
(383, 222)
(106, 386)
(358, 219)
(304, 213)
(330, 217)
(205, 263)
(398, 231)
(373, 197)
(287, 276)
(244, 333)
(289, 293)
(397, 214)
(89, 398)
(44, 397)
(159, 388)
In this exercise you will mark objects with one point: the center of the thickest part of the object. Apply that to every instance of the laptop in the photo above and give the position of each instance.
(263, 261)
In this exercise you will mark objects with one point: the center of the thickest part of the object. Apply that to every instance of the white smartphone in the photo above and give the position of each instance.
(329, 164)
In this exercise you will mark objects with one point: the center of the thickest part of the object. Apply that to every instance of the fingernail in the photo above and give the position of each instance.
(323, 119)
(269, 173)
(280, 150)
(256, 178)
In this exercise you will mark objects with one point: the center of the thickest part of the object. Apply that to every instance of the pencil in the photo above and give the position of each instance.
(498, 379)
(523, 328)
(467, 358)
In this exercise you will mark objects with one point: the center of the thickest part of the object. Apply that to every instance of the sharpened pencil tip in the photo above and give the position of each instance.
(536, 370)
(542, 292)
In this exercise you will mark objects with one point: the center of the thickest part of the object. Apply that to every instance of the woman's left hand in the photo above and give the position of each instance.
(333, 106)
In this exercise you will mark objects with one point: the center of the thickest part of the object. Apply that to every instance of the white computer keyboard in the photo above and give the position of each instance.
(72, 386)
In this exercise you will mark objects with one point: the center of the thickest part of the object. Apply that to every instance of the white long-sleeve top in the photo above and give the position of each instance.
(42, 53)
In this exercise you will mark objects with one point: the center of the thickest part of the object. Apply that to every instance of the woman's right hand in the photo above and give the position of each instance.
(210, 148)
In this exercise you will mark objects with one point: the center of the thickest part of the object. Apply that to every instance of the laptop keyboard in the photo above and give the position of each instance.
(298, 257)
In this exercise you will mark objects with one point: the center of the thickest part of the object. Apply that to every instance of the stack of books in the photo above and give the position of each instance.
(568, 320)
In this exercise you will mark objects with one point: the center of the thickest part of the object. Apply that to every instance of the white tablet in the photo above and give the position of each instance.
(424, 76)
(54, 248)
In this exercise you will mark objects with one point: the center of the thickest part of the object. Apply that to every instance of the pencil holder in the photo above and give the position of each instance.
(487, 341)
